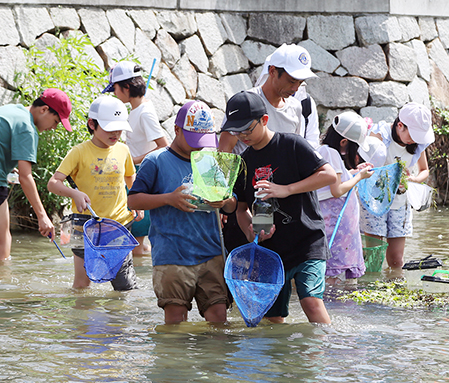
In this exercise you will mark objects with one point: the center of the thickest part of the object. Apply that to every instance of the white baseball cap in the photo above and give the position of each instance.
(418, 120)
(110, 113)
(121, 71)
(353, 127)
(293, 58)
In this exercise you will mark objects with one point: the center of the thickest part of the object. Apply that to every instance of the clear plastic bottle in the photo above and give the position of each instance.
(262, 213)
(13, 178)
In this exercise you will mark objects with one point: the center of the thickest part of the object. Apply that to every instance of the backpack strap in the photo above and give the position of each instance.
(306, 111)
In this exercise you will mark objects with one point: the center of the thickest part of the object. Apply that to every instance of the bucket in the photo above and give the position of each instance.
(71, 234)
(436, 283)
(373, 253)
(414, 270)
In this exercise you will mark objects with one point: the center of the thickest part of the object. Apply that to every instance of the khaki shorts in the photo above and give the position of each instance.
(178, 285)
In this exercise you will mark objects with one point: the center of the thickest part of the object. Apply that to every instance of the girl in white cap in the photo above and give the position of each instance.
(340, 144)
(408, 137)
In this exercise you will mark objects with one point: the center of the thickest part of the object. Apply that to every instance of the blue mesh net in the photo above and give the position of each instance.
(377, 192)
(106, 245)
(255, 276)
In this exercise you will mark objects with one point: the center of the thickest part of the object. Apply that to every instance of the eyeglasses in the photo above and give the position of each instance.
(246, 132)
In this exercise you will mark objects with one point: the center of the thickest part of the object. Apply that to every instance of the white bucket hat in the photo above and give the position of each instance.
(353, 127)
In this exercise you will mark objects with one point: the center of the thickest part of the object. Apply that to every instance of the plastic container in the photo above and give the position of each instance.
(200, 204)
(262, 214)
(13, 178)
(72, 230)
(414, 270)
(436, 283)
(374, 251)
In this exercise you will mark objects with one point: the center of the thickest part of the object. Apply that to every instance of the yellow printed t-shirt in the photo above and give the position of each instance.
(100, 174)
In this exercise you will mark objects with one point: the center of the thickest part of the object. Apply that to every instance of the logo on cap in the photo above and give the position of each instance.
(304, 60)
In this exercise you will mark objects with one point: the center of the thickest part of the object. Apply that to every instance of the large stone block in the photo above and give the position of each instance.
(235, 26)
(418, 91)
(88, 49)
(257, 52)
(65, 18)
(195, 52)
(95, 24)
(235, 83)
(171, 84)
(369, 63)
(168, 47)
(146, 20)
(339, 92)
(388, 93)
(186, 73)
(122, 26)
(212, 31)
(439, 86)
(146, 51)
(48, 40)
(428, 28)
(161, 100)
(113, 50)
(378, 29)
(276, 28)
(402, 61)
(386, 113)
(331, 32)
(211, 91)
(8, 31)
(410, 28)
(228, 59)
(6, 96)
(321, 59)
(443, 31)
(179, 24)
(12, 60)
(439, 55)
(422, 59)
(31, 23)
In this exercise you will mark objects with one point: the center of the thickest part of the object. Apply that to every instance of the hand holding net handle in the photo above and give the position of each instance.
(73, 185)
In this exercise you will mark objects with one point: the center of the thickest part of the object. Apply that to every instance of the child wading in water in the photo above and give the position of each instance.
(340, 146)
(289, 170)
(100, 168)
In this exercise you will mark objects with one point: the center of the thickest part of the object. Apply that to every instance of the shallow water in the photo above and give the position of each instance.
(50, 333)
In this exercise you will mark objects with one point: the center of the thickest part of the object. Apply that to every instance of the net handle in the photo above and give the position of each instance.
(73, 185)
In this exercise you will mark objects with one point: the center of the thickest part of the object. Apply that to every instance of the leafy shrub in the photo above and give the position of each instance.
(68, 67)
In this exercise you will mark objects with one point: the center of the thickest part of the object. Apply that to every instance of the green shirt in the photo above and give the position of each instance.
(18, 138)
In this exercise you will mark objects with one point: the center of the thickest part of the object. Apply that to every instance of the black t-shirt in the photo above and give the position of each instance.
(288, 158)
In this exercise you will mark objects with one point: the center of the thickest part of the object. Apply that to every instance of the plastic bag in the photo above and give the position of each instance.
(419, 196)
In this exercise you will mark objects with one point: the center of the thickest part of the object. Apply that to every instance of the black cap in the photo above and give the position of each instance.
(242, 109)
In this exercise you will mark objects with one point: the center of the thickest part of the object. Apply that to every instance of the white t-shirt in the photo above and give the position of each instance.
(333, 157)
(146, 129)
(285, 120)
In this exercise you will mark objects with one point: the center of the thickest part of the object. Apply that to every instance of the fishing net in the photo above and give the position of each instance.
(106, 245)
(377, 192)
(255, 276)
(214, 174)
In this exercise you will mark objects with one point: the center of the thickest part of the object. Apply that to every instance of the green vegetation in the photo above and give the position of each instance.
(68, 67)
(396, 294)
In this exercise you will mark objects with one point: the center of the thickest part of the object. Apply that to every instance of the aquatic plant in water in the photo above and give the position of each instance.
(396, 294)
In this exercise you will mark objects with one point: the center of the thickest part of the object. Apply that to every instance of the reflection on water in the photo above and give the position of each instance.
(51, 333)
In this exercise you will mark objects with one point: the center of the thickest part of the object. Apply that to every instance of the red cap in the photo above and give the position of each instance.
(60, 102)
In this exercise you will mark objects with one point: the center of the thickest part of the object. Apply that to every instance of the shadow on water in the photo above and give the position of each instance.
(51, 333)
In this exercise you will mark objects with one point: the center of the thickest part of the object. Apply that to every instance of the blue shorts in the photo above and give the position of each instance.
(309, 278)
(393, 224)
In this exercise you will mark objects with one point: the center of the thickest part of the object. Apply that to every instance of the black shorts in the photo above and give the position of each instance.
(4, 191)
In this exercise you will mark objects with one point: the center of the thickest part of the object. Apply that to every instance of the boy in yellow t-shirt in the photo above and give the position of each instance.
(100, 168)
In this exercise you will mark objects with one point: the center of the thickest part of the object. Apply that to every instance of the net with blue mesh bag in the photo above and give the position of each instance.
(377, 192)
(255, 276)
(106, 245)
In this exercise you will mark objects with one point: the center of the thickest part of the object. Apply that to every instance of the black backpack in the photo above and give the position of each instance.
(306, 111)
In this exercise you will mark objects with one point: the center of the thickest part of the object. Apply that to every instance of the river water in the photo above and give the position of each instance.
(51, 333)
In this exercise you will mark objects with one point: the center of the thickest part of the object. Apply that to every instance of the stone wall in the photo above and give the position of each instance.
(372, 63)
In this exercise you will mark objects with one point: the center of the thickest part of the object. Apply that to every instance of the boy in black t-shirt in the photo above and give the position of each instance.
(289, 170)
